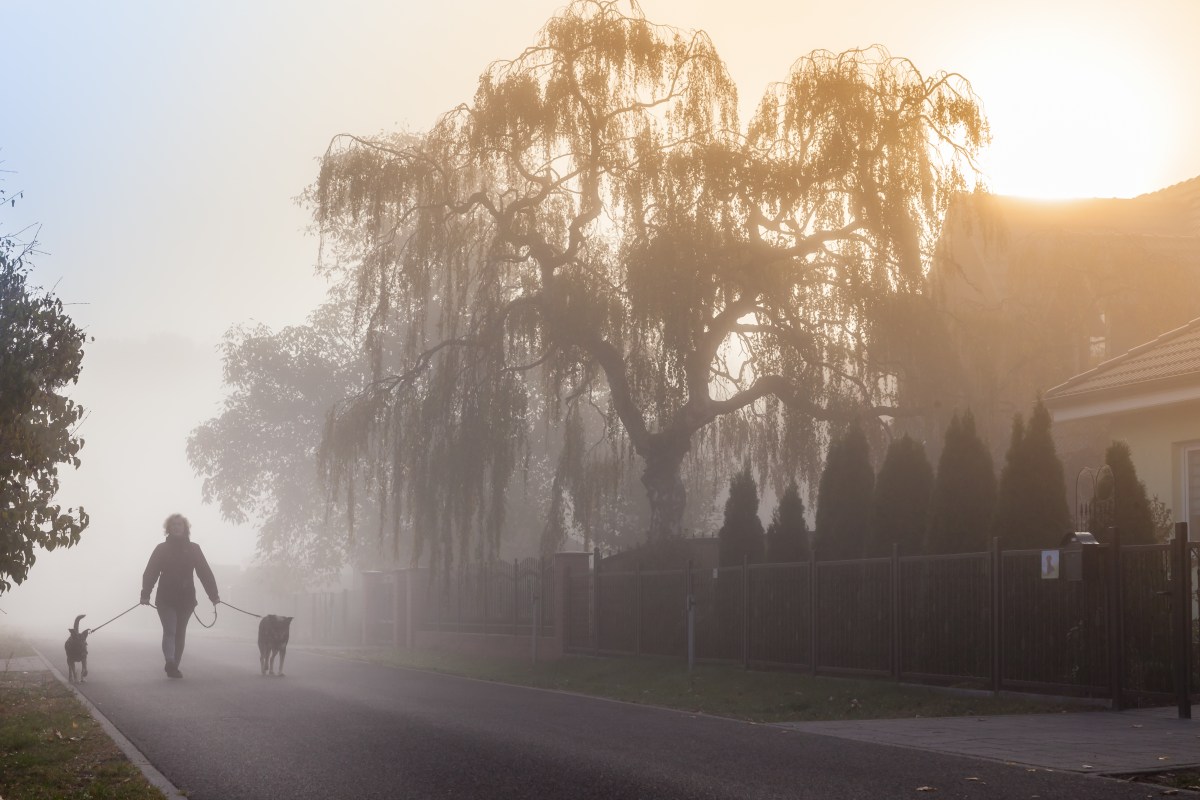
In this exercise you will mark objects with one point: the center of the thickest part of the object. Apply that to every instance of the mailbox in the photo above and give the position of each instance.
(1081, 556)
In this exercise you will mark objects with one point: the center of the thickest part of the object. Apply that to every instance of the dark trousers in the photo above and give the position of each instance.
(174, 624)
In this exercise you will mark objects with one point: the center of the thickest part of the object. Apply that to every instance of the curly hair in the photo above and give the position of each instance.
(177, 523)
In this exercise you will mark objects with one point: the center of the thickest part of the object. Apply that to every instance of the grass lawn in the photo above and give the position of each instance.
(720, 690)
(50, 747)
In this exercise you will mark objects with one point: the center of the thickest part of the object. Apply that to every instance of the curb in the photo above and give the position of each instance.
(135, 756)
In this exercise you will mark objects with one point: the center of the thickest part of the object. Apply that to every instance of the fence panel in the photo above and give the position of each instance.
(1145, 576)
(578, 602)
(945, 617)
(854, 611)
(664, 624)
(1054, 632)
(617, 620)
(720, 613)
(781, 614)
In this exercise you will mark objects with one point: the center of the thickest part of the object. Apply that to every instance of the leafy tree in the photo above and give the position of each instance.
(787, 535)
(258, 456)
(741, 536)
(1131, 511)
(595, 228)
(1031, 504)
(964, 492)
(900, 503)
(42, 353)
(844, 498)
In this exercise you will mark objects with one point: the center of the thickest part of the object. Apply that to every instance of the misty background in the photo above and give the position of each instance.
(159, 149)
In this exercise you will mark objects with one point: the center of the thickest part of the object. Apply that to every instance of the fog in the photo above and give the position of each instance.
(160, 147)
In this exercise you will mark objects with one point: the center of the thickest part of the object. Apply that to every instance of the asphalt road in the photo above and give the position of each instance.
(342, 729)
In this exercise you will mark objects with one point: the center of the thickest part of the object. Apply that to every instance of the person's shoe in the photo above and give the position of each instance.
(172, 671)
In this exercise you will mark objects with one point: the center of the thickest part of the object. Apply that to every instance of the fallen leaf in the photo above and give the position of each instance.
(973, 778)
(926, 789)
(1088, 766)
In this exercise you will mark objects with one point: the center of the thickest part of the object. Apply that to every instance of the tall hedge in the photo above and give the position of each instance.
(1130, 510)
(844, 498)
(964, 492)
(787, 535)
(900, 503)
(1031, 505)
(741, 535)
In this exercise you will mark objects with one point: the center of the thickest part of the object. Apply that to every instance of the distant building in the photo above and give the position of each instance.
(1029, 293)
(1148, 397)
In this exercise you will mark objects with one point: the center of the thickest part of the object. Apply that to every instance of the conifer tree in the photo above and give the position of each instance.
(1031, 506)
(844, 498)
(1130, 511)
(964, 492)
(741, 536)
(900, 504)
(787, 535)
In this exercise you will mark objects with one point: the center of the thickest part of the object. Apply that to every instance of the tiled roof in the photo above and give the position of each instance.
(1172, 356)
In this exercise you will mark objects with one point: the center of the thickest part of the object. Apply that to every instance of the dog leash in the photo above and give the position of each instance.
(235, 608)
(118, 616)
(222, 603)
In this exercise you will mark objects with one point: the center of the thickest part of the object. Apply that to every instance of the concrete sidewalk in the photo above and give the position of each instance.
(1101, 742)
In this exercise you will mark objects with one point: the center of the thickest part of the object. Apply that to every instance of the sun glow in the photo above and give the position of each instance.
(1067, 123)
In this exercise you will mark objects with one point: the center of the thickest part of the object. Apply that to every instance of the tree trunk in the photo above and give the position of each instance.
(665, 489)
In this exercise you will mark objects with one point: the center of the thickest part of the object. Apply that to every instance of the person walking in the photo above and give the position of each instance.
(172, 565)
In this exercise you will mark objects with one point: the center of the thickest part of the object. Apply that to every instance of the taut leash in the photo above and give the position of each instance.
(118, 616)
(235, 608)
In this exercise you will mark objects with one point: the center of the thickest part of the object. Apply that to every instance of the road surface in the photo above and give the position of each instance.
(336, 728)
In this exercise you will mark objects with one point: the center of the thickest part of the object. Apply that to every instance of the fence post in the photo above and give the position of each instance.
(596, 600)
(745, 612)
(1116, 623)
(995, 573)
(897, 641)
(537, 598)
(813, 617)
(1181, 602)
(637, 609)
(690, 612)
(516, 593)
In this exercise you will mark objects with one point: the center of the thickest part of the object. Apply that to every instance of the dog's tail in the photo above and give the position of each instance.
(81, 616)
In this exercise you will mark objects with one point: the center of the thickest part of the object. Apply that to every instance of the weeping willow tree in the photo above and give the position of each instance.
(595, 233)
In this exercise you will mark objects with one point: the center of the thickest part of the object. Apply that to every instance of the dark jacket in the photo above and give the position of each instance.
(175, 560)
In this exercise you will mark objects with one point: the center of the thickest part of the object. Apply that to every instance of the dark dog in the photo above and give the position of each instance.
(272, 640)
(76, 647)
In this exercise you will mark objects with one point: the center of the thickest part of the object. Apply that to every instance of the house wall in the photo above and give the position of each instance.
(1156, 439)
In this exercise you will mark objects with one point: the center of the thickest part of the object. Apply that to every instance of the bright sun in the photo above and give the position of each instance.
(1066, 124)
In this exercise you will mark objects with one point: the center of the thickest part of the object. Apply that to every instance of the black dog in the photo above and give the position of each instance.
(76, 647)
(272, 639)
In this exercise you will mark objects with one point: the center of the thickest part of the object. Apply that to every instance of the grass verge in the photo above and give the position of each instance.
(50, 747)
(719, 690)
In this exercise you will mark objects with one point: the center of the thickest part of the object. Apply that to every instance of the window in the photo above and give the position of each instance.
(1191, 491)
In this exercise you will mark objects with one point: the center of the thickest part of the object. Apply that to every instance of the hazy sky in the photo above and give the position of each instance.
(160, 146)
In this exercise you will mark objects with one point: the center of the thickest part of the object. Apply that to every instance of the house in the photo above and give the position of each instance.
(1031, 292)
(1149, 397)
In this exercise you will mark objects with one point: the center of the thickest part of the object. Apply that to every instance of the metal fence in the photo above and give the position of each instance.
(493, 597)
(989, 619)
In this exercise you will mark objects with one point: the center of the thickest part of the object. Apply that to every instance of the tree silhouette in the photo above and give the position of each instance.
(1031, 504)
(741, 535)
(844, 498)
(964, 492)
(787, 535)
(595, 229)
(1131, 510)
(900, 502)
